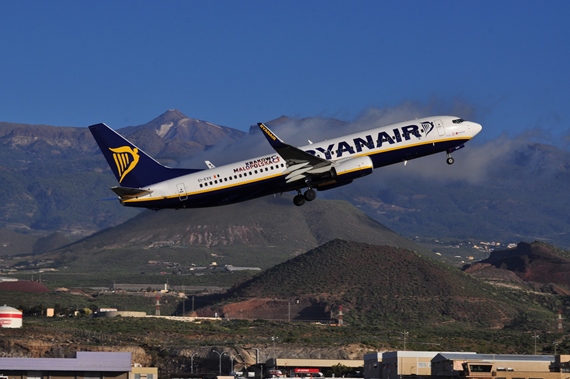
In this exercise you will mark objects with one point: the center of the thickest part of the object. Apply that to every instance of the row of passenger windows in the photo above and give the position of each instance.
(242, 175)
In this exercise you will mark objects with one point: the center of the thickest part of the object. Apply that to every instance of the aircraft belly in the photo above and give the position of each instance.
(386, 158)
(223, 196)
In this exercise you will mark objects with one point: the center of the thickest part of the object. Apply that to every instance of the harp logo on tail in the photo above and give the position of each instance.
(126, 159)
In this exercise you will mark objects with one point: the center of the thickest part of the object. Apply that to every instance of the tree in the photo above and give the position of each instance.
(340, 370)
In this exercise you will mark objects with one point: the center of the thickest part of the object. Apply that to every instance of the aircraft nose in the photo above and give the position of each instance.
(475, 128)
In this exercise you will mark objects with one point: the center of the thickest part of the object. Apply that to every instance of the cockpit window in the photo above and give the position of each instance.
(458, 121)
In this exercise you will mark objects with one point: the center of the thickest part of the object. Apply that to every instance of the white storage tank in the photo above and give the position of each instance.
(10, 317)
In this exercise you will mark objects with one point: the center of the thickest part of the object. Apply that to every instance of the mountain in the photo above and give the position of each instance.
(375, 285)
(505, 190)
(55, 177)
(174, 136)
(258, 233)
(529, 264)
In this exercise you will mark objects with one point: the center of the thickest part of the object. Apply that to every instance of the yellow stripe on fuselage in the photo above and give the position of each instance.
(238, 184)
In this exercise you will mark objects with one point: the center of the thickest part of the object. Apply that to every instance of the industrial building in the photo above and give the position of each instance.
(450, 365)
(395, 364)
(87, 365)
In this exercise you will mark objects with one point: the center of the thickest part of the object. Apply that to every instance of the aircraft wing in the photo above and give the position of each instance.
(300, 164)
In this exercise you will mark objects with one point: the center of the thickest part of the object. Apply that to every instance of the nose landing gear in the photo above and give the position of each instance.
(449, 159)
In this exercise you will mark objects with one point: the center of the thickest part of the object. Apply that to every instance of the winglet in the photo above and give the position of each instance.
(291, 154)
(274, 141)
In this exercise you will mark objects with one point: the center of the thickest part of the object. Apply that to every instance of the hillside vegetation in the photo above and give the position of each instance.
(258, 233)
(381, 285)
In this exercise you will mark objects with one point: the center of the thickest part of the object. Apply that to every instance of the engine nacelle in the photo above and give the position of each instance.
(353, 168)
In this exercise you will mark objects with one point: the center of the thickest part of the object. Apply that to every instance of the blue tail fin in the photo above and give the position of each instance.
(132, 167)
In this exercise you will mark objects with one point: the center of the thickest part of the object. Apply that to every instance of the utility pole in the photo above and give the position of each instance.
(220, 355)
(535, 336)
(232, 365)
(274, 355)
(192, 362)
(404, 334)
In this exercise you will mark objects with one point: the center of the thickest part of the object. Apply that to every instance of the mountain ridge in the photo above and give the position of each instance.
(54, 178)
(535, 264)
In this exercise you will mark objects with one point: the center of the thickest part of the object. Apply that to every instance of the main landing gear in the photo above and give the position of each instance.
(309, 195)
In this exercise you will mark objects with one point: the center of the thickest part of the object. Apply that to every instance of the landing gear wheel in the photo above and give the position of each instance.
(310, 194)
(299, 200)
(450, 160)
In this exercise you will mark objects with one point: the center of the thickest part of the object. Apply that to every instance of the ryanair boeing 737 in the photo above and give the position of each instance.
(143, 182)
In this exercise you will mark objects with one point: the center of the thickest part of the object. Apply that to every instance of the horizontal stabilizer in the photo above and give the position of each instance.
(130, 193)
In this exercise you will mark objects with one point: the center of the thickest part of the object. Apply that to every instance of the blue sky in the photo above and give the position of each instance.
(504, 64)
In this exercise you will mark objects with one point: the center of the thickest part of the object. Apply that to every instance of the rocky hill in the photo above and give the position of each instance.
(373, 284)
(258, 233)
(536, 264)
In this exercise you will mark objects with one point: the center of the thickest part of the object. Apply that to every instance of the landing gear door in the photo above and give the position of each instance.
(440, 128)
(181, 189)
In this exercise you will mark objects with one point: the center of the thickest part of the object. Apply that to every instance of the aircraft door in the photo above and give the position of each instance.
(439, 127)
(181, 189)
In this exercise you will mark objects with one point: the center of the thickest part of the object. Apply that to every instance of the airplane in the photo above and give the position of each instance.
(144, 182)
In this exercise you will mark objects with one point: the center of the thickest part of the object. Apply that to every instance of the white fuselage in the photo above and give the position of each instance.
(265, 175)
